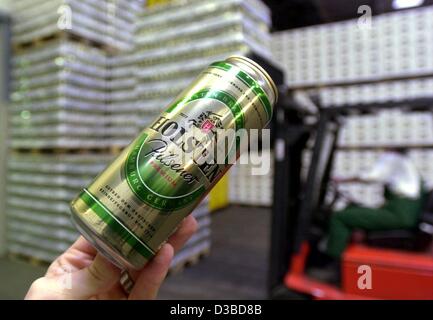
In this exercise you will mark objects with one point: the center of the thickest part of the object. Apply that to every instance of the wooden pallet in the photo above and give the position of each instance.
(247, 205)
(61, 35)
(36, 262)
(189, 262)
(115, 150)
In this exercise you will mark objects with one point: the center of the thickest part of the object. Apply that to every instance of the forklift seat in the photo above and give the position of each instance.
(416, 239)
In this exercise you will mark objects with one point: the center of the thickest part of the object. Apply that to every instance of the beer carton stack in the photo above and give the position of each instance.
(396, 45)
(175, 42)
(122, 109)
(105, 22)
(350, 63)
(59, 124)
(39, 189)
(74, 101)
(251, 186)
(60, 72)
(59, 96)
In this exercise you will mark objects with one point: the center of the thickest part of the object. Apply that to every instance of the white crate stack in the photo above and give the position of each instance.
(58, 96)
(177, 41)
(39, 190)
(122, 110)
(398, 44)
(382, 92)
(103, 21)
(58, 114)
(247, 188)
(388, 128)
(70, 95)
(174, 43)
(348, 64)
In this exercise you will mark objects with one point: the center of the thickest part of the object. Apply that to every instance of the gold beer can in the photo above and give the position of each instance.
(129, 211)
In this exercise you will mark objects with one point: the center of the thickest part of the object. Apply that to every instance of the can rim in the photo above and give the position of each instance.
(259, 68)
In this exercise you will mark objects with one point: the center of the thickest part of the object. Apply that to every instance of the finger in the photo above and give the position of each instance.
(100, 276)
(84, 246)
(78, 256)
(187, 228)
(153, 274)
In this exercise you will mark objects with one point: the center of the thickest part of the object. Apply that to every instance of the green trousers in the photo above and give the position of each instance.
(396, 213)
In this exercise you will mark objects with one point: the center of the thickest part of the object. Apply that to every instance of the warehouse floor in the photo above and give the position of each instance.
(236, 268)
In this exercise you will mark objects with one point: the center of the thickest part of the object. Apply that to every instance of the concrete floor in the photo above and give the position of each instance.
(236, 268)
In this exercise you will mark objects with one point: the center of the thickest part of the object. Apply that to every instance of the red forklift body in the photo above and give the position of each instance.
(394, 274)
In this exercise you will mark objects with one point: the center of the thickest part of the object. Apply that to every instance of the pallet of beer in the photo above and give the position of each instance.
(59, 94)
(176, 41)
(59, 123)
(123, 110)
(247, 188)
(395, 45)
(103, 23)
(39, 189)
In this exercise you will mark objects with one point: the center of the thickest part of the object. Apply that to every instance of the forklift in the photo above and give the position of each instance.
(400, 261)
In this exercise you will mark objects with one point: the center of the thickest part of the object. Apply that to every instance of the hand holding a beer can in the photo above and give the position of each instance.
(82, 273)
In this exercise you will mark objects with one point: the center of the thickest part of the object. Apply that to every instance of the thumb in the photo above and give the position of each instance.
(95, 279)
(153, 274)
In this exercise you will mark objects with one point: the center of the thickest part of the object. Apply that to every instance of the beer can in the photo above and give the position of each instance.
(130, 210)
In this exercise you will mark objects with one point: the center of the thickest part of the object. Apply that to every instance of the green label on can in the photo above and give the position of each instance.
(155, 167)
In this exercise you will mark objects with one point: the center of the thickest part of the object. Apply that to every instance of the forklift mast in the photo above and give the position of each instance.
(291, 136)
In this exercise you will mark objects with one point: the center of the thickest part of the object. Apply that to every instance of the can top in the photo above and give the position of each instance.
(258, 73)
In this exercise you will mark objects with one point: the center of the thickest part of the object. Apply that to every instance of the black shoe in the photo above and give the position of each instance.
(329, 273)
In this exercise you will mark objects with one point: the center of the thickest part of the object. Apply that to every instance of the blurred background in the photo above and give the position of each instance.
(80, 79)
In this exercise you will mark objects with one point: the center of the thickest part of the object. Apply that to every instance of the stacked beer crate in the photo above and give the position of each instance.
(74, 107)
(394, 45)
(122, 109)
(59, 95)
(175, 42)
(58, 115)
(351, 63)
(40, 187)
(252, 183)
(101, 21)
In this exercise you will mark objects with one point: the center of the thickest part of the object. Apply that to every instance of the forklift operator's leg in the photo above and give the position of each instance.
(355, 217)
